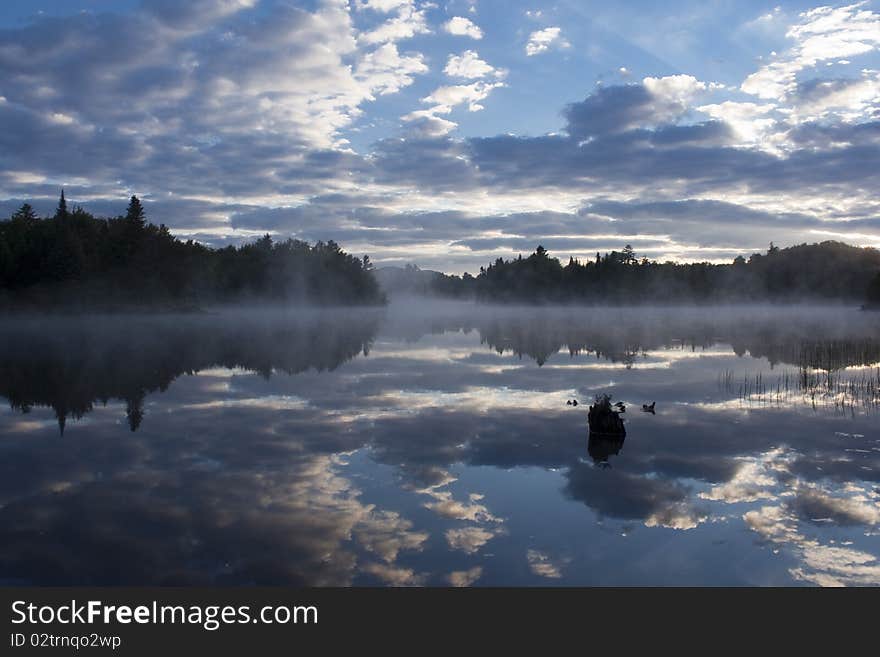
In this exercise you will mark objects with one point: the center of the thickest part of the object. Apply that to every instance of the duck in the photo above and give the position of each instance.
(648, 408)
(568, 403)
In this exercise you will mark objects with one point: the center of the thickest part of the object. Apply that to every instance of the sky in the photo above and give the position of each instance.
(451, 134)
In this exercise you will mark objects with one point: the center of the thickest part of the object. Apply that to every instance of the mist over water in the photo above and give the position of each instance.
(431, 443)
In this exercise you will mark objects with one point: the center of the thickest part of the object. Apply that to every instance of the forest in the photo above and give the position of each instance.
(76, 259)
(828, 271)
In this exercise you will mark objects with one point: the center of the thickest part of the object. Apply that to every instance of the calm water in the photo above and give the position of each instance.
(433, 445)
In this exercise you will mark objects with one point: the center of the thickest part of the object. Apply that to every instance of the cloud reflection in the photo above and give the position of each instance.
(402, 450)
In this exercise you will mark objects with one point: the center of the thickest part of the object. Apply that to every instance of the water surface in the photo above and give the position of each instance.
(433, 445)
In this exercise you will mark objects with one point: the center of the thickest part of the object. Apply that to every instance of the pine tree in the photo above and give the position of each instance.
(61, 212)
(26, 213)
(135, 213)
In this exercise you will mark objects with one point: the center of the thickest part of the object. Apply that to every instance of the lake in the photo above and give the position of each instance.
(431, 444)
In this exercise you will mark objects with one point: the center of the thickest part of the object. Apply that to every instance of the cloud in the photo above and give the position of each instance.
(815, 504)
(543, 565)
(615, 109)
(460, 26)
(384, 6)
(285, 494)
(395, 575)
(754, 480)
(226, 114)
(386, 534)
(426, 124)
(819, 563)
(179, 15)
(385, 71)
(845, 99)
(151, 103)
(541, 40)
(469, 66)
(751, 123)
(469, 539)
(464, 578)
(408, 23)
(824, 33)
(462, 94)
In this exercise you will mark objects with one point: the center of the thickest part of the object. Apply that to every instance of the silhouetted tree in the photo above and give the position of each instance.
(75, 257)
(135, 212)
(61, 212)
(26, 213)
(830, 270)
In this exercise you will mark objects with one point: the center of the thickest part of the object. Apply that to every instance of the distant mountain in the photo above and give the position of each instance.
(410, 279)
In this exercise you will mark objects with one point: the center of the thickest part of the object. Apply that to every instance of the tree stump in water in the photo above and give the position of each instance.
(603, 419)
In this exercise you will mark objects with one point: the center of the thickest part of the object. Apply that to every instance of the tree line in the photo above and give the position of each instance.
(75, 258)
(826, 271)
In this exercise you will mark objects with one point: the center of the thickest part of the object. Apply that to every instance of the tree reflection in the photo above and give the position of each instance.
(600, 447)
(82, 363)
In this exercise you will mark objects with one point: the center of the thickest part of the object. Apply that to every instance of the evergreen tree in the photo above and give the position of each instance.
(61, 212)
(135, 212)
(26, 213)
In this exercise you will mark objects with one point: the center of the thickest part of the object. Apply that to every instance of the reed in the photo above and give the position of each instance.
(828, 375)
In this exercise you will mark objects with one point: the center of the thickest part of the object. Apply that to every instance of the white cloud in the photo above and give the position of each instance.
(541, 40)
(449, 508)
(820, 564)
(385, 533)
(751, 122)
(461, 26)
(543, 565)
(408, 22)
(395, 575)
(824, 33)
(231, 111)
(469, 539)
(463, 578)
(386, 71)
(468, 65)
(753, 481)
(426, 123)
(847, 100)
(384, 6)
(469, 94)
(678, 90)
(678, 516)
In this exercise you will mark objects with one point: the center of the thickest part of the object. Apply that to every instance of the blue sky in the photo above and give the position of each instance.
(449, 134)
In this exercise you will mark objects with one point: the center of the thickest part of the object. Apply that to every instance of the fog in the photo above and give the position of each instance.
(71, 363)
(411, 443)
